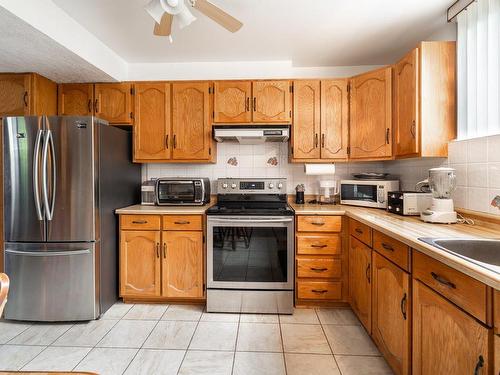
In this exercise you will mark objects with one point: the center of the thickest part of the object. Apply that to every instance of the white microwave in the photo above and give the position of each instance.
(366, 193)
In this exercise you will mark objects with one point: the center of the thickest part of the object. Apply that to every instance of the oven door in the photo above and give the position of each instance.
(176, 192)
(359, 194)
(250, 252)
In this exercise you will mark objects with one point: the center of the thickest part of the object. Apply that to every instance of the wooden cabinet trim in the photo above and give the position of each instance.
(396, 251)
(360, 280)
(232, 102)
(306, 120)
(360, 231)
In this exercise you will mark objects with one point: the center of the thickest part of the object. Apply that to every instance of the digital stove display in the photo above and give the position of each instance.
(251, 185)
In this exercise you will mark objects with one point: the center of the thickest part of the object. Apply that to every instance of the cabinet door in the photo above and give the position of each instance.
(446, 340)
(152, 122)
(406, 132)
(360, 274)
(44, 96)
(371, 112)
(306, 119)
(15, 94)
(391, 307)
(334, 119)
(140, 263)
(113, 102)
(191, 130)
(232, 101)
(76, 99)
(182, 264)
(271, 102)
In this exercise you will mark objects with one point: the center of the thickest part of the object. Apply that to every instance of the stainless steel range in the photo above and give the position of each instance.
(250, 248)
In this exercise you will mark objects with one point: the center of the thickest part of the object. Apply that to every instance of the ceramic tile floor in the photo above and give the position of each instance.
(185, 340)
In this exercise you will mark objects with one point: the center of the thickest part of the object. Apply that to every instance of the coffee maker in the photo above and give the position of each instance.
(442, 183)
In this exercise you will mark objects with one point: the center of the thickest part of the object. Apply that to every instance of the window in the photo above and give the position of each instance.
(478, 56)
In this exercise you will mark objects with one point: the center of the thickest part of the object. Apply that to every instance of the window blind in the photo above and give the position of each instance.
(478, 65)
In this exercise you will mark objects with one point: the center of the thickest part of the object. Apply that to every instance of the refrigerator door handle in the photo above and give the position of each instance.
(36, 169)
(47, 253)
(48, 141)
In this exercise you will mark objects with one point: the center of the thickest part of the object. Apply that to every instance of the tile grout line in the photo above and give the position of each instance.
(328, 341)
(282, 344)
(236, 342)
(20, 333)
(190, 341)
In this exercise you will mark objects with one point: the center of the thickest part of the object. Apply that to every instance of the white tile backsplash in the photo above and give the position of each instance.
(477, 162)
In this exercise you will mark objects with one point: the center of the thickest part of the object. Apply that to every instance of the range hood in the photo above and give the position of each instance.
(251, 134)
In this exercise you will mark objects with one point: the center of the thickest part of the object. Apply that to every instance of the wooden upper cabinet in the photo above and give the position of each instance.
(113, 102)
(15, 94)
(76, 99)
(446, 340)
(152, 122)
(360, 275)
(140, 263)
(232, 101)
(306, 119)
(271, 102)
(406, 133)
(191, 130)
(334, 119)
(371, 115)
(391, 313)
(182, 264)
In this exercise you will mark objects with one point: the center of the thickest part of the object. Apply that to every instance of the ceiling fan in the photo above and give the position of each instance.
(163, 12)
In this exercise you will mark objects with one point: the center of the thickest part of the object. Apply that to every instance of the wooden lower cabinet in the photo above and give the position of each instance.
(496, 352)
(446, 340)
(391, 313)
(360, 264)
(140, 263)
(182, 264)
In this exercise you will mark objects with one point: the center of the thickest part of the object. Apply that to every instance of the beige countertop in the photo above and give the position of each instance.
(138, 209)
(408, 229)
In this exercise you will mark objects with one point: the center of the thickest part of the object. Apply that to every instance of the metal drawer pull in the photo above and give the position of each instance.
(247, 105)
(139, 222)
(319, 291)
(164, 250)
(158, 250)
(317, 223)
(387, 246)
(357, 230)
(182, 222)
(318, 246)
(479, 365)
(403, 306)
(319, 269)
(367, 272)
(443, 281)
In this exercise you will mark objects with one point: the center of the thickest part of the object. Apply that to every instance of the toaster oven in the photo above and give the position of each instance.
(182, 191)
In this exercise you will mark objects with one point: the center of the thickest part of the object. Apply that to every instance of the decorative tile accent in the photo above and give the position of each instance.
(232, 161)
(273, 161)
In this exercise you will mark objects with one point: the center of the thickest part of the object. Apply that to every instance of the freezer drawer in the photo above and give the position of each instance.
(51, 281)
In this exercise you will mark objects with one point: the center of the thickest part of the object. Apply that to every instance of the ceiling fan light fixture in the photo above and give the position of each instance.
(185, 18)
(155, 10)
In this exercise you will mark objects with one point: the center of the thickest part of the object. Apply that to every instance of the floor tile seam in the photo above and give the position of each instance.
(32, 359)
(189, 343)
(328, 342)
(20, 333)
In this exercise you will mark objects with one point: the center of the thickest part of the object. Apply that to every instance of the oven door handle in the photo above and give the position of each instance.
(234, 220)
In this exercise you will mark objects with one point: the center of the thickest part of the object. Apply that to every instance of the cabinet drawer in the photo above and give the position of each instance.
(392, 249)
(322, 268)
(184, 222)
(319, 223)
(140, 222)
(319, 290)
(463, 290)
(330, 244)
(361, 231)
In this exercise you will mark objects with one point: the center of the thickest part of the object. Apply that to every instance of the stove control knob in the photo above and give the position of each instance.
(271, 186)
(280, 185)
(233, 186)
(224, 185)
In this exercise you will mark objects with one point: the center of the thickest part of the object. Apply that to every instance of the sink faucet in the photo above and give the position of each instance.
(496, 202)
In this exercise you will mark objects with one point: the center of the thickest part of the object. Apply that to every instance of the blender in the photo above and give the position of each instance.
(442, 183)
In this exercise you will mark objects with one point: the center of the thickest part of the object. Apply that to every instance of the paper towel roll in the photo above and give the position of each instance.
(319, 169)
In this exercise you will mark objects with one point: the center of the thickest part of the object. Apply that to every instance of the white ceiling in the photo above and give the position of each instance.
(305, 32)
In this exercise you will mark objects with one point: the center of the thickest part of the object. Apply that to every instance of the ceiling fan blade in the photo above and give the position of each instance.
(218, 15)
(164, 28)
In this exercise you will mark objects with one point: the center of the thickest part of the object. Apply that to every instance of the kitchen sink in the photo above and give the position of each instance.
(483, 252)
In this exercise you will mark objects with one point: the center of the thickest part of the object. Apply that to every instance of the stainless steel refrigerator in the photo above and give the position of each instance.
(63, 179)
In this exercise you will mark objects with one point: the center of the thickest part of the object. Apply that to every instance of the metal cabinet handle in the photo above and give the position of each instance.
(443, 281)
(367, 272)
(403, 306)
(316, 140)
(96, 106)
(413, 129)
(254, 104)
(164, 250)
(387, 246)
(317, 223)
(387, 136)
(318, 246)
(158, 250)
(166, 141)
(479, 365)
(182, 222)
(139, 222)
(357, 230)
(25, 98)
(319, 291)
(89, 106)
(175, 141)
(247, 104)
(318, 269)
(323, 140)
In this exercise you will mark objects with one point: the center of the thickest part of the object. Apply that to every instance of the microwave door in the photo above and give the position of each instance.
(175, 191)
(358, 192)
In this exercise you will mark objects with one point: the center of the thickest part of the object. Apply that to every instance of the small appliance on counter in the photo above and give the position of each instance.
(328, 190)
(299, 194)
(328, 187)
(182, 191)
(442, 183)
(408, 202)
(367, 192)
(148, 194)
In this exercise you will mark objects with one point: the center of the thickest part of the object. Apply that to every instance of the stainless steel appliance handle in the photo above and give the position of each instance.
(47, 253)
(48, 141)
(36, 168)
(233, 219)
